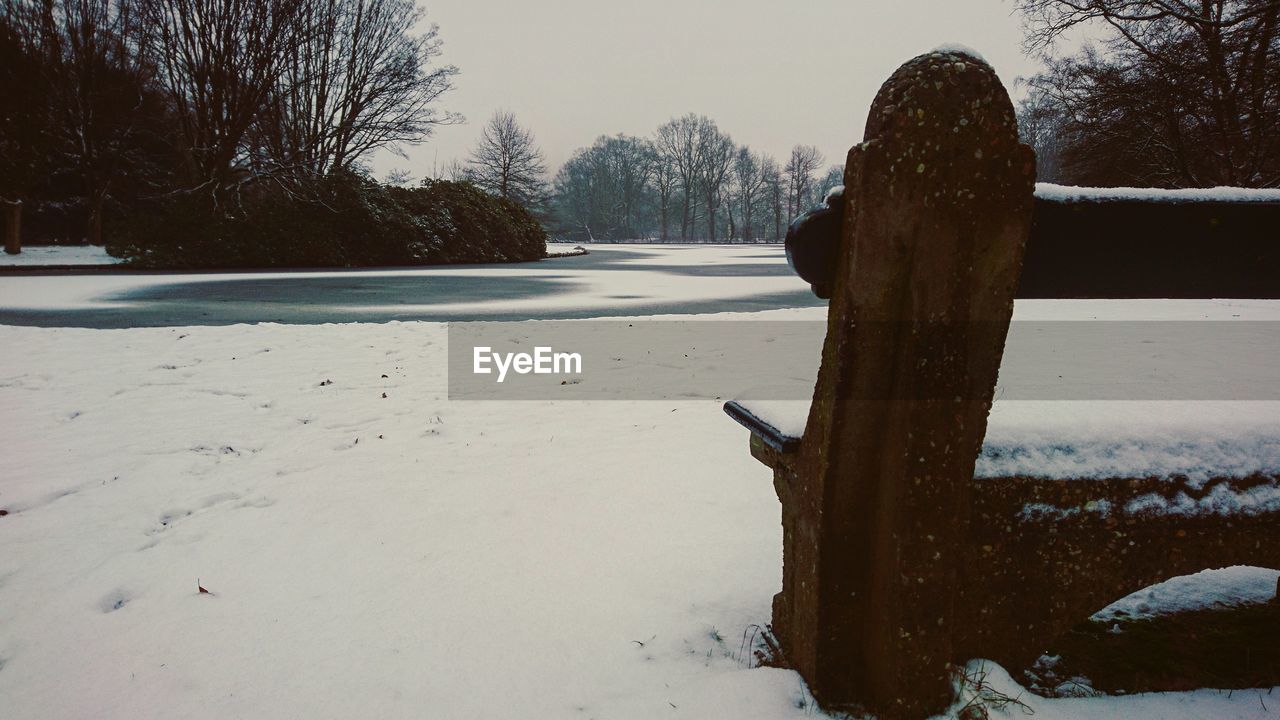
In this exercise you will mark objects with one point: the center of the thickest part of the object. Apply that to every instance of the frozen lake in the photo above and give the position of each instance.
(612, 280)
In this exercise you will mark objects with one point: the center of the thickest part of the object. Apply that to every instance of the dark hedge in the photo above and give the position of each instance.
(343, 220)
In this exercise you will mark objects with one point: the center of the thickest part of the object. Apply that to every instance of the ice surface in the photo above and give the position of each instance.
(615, 288)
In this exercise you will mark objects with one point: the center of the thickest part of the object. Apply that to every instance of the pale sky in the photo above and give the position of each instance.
(771, 73)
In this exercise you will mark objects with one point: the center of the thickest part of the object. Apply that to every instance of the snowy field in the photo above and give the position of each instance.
(35, 255)
(372, 549)
(365, 556)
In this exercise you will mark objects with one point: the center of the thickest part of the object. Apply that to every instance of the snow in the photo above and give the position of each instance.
(557, 250)
(788, 417)
(1069, 193)
(1033, 512)
(368, 557)
(1206, 590)
(1199, 704)
(372, 556)
(1219, 500)
(960, 50)
(36, 255)
(695, 254)
(1076, 439)
(1196, 439)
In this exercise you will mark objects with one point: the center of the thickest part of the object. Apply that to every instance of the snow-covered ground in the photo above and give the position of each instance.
(35, 255)
(374, 550)
(366, 556)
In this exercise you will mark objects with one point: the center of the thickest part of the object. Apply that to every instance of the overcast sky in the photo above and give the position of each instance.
(771, 73)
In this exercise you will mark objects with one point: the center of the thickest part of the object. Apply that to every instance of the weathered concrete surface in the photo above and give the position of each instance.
(938, 206)
(896, 562)
(1043, 555)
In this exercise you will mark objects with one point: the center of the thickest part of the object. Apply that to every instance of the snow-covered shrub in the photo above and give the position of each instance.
(342, 220)
(471, 225)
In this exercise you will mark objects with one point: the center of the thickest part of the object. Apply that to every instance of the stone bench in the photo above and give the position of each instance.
(910, 543)
(1047, 547)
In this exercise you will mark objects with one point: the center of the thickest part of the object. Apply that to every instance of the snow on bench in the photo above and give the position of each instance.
(1192, 440)
(1072, 194)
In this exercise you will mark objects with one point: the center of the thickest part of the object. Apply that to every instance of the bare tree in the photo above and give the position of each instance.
(577, 196)
(95, 70)
(1040, 126)
(803, 163)
(1180, 93)
(715, 158)
(360, 80)
(23, 104)
(457, 171)
(623, 187)
(666, 178)
(630, 163)
(834, 177)
(507, 161)
(604, 191)
(399, 177)
(775, 193)
(677, 144)
(221, 60)
(749, 187)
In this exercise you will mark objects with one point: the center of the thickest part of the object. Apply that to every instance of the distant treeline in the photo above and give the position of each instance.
(688, 182)
(1167, 94)
(179, 131)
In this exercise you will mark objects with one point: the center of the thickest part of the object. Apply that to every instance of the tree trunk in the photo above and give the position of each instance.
(684, 219)
(663, 222)
(12, 226)
(93, 233)
(711, 222)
